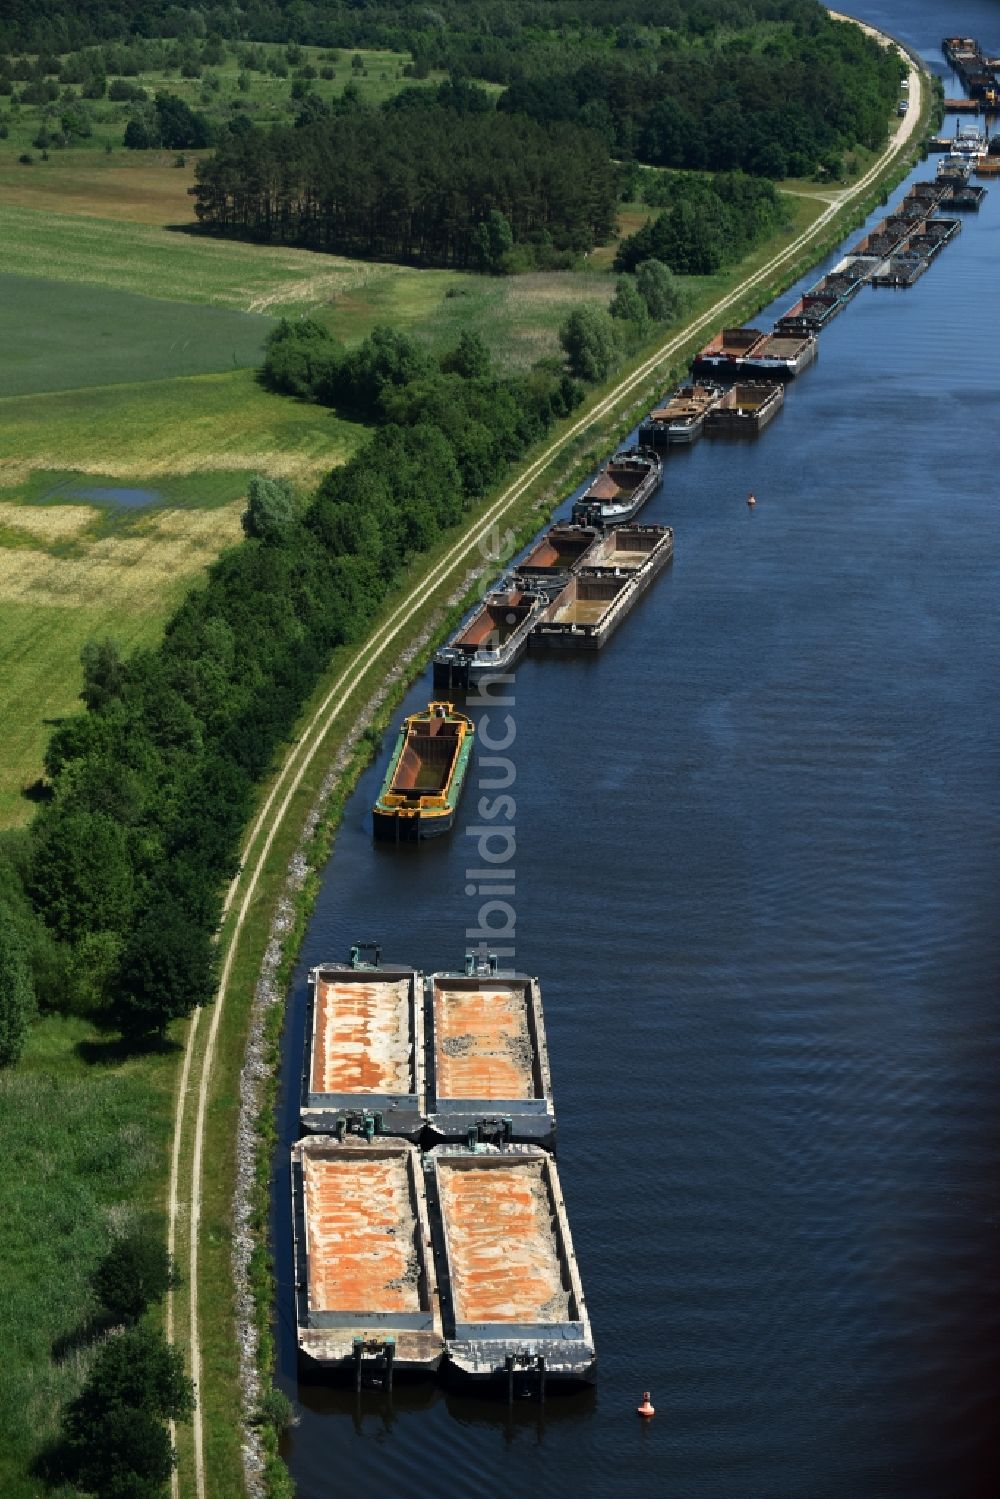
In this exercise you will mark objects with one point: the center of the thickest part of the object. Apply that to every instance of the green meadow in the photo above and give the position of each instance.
(57, 336)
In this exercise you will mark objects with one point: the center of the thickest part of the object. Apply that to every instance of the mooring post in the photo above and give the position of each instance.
(510, 1378)
(541, 1378)
(358, 1350)
(390, 1357)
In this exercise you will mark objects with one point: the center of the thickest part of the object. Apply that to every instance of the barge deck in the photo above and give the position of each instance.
(489, 1062)
(364, 1063)
(365, 1286)
(512, 1299)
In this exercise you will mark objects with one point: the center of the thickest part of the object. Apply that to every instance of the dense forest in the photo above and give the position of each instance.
(419, 183)
(771, 87)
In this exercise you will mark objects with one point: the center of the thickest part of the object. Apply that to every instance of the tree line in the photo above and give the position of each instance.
(110, 902)
(411, 184)
(706, 223)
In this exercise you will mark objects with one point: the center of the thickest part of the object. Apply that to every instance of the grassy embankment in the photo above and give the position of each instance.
(89, 1139)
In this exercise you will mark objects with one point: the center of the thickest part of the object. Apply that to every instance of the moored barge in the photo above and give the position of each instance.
(494, 639)
(620, 489)
(745, 409)
(423, 784)
(781, 355)
(364, 1062)
(366, 1297)
(681, 419)
(513, 1310)
(561, 550)
(726, 352)
(593, 604)
(489, 1062)
(900, 270)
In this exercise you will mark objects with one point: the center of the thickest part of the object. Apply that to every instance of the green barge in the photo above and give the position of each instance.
(422, 786)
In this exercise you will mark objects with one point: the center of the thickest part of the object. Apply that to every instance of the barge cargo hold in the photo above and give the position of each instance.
(967, 198)
(900, 270)
(494, 639)
(726, 352)
(366, 1296)
(811, 313)
(364, 1064)
(562, 550)
(489, 1062)
(423, 784)
(512, 1301)
(679, 421)
(745, 410)
(935, 235)
(781, 355)
(592, 606)
(620, 490)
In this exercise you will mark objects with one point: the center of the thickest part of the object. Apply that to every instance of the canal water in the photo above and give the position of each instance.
(757, 870)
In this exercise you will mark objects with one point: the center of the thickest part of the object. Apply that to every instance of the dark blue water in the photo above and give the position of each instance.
(757, 871)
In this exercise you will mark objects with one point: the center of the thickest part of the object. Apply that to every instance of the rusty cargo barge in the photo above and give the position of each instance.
(365, 1056)
(680, 421)
(493, 640)
(512, 1302)
(620, 489)
(460, 1257)
(593, 604)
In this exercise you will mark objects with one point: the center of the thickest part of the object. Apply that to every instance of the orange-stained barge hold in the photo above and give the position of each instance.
(361, 1233)
(365, 1049)
(489, 1057)
(514, 1292)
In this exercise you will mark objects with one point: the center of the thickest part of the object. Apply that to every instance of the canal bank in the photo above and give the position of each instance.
(787, 878)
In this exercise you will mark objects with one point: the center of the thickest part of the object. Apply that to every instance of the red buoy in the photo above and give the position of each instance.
(645, 1409)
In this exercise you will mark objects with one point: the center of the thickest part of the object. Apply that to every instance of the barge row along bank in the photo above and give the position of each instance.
(566, 591)
(428, 1220)
(429, 1224)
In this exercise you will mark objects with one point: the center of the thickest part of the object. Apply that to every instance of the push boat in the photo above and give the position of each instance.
(422, 786)
(620, 490)
(493, 640)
